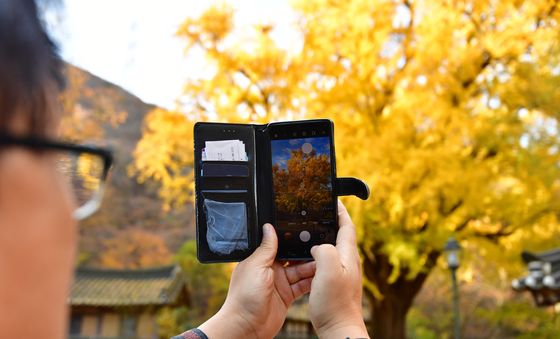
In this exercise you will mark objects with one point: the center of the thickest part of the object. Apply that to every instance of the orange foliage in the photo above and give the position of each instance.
(306, 178)
(135, 249)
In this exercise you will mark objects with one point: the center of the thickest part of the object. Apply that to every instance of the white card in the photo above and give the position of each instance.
(226, 150)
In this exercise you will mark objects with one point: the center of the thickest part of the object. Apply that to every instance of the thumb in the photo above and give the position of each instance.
(326, 258)
(266, 252)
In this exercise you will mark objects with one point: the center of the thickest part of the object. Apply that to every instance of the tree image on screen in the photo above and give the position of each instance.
(301, 179)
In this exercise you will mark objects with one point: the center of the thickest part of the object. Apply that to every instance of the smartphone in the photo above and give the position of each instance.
(303, 175)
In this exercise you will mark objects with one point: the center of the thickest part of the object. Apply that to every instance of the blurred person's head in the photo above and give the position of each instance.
(37, 230)
(30, 71)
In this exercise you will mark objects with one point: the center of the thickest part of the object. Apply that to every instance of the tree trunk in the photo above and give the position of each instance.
(389, 312)
(389, 317)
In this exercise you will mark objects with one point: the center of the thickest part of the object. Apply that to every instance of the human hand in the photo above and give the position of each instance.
(335, 301)
(260, 292)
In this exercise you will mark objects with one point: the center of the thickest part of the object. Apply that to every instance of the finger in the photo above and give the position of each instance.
(326, 258)
(346, 237)
(282, 285)
(264, 254)
(301, 287)
(298, 272)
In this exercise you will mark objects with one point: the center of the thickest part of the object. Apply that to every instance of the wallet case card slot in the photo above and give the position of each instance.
(225, 185)
(223, 191)
(225, 195)
(224, 169)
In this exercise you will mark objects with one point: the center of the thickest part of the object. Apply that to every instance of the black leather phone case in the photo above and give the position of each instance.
(232, 184)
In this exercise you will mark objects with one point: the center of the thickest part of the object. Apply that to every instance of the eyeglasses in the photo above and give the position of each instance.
(84, 167)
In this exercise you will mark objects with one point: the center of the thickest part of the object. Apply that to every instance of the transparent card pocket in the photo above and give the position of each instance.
(226, 226)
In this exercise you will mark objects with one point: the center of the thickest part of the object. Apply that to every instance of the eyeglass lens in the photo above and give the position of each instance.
(84, 174)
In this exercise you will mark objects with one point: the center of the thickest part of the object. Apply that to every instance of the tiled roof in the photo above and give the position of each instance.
(111, 287)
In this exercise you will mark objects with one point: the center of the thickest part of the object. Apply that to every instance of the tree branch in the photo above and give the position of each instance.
(463, 225)
(494, 236)
(549, 13)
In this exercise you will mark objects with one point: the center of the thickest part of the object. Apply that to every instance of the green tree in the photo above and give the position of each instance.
(207, 284)
(447, 109)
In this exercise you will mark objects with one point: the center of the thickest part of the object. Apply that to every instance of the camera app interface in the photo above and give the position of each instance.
(301, 174)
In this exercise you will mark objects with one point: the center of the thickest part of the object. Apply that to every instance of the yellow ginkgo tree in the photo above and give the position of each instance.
(448, 109)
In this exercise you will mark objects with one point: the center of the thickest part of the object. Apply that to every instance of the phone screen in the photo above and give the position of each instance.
(302, 175)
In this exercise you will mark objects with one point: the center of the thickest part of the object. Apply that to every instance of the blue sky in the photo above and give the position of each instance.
(132, 44)
(281, 149)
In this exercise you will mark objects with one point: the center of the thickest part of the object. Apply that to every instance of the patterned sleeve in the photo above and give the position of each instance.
(195, 333)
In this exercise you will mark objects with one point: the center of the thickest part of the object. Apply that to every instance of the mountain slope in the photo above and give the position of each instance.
(127, 206)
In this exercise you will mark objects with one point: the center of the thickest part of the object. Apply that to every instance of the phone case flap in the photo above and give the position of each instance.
(352, 186)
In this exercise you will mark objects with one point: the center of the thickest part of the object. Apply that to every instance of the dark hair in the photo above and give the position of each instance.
(30, 68)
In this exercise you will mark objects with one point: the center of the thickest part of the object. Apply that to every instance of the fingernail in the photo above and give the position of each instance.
(267, 230)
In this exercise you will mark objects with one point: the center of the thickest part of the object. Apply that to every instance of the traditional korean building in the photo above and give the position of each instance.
(543, 277)
(108, 303)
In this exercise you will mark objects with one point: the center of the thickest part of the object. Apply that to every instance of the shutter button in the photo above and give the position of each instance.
(304, 236)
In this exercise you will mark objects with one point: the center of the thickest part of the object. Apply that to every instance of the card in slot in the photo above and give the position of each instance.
(223, 191)
(210, 169)
(225, 195)
(232, 150)
(224, 183)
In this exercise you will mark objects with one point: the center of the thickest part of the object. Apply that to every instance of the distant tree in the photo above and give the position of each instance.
(171, 321)
(161, 156)
(134, 249)
(447, 109)
(208, 284)
(85, 109)
(305, 178)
